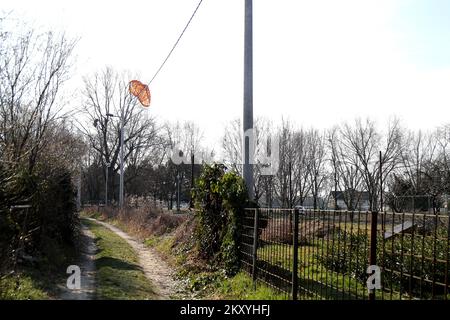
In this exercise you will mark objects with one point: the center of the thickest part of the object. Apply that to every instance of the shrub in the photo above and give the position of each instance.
(220, 198)
(348, 253)
(49, 225)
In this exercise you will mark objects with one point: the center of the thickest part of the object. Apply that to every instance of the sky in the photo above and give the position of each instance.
(316, 62)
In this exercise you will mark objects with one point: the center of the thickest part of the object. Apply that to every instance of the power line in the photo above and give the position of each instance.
(176, 43)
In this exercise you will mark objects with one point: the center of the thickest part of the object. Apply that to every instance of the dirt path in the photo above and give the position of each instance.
(87, 266)
(156, 270)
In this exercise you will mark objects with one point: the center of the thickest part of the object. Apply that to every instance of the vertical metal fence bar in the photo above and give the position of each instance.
(352, 217)
(289, 248)
(312, 232)
(316, 252)
(373, 246)
(335, 232)
(357, 256)
(339, 248)
(279, 232)
(447, 258)
(310, 251)
(402, 238)
(330, 236)
(422, 267)
(433, 289)
(411, 258)
(295, 257)
(322, 244)
(383, 257)
(392, 256)
(344, 255)
(255, 245)
(288, 245)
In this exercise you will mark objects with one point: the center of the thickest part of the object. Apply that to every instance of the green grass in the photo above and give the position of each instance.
(91, 214)
(315, 280)
(22, 287)
(241, 287)
(210, 284)
(43, 279)
(119, 275)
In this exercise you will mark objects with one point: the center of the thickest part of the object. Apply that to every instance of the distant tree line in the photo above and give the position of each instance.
(352, 159)
(390, 164)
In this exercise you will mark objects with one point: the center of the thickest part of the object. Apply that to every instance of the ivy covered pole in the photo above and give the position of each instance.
(248, 98)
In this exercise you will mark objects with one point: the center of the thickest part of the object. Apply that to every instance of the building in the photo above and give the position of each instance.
(360, 200)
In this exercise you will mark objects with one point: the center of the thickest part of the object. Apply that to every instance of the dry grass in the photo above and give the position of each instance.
(280, 231)
(185, 232)
(143, 221)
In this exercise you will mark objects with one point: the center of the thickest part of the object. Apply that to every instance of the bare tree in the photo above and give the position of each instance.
(232, 145)
(364, 142)
(347, 178)
(293, 183)
(420, 148)
(107, 99)
(232, 151)
(187, 137)
(317, 163)
(33, 68)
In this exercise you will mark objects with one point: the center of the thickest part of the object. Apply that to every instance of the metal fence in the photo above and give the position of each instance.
(322, 254)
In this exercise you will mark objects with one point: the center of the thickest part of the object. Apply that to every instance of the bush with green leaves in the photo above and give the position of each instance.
(422, 256)
(48, 226)
(347, 253)
(220, 198)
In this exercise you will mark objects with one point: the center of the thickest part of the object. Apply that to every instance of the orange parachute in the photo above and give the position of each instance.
(140, 91)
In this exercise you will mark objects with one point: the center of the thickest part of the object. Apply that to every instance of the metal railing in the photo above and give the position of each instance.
(323, 254)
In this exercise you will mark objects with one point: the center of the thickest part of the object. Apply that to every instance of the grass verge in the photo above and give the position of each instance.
(119, 276)
(41, 279)
(210, 284)
(23, 286)
(201, 281)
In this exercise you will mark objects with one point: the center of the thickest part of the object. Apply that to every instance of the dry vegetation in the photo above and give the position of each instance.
(278, 230)
(143, 222)
(170, 233)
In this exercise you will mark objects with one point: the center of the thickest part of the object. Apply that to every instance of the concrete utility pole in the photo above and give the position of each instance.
(122, 125)
(248, 96)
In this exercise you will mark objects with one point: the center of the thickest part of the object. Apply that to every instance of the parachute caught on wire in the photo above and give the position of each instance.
(140, 90)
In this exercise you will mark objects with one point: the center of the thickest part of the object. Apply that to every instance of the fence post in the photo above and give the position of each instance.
(295, 256)
(373, 246)
(255, 244)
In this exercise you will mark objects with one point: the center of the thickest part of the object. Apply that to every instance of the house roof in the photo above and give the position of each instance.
(361, 195)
